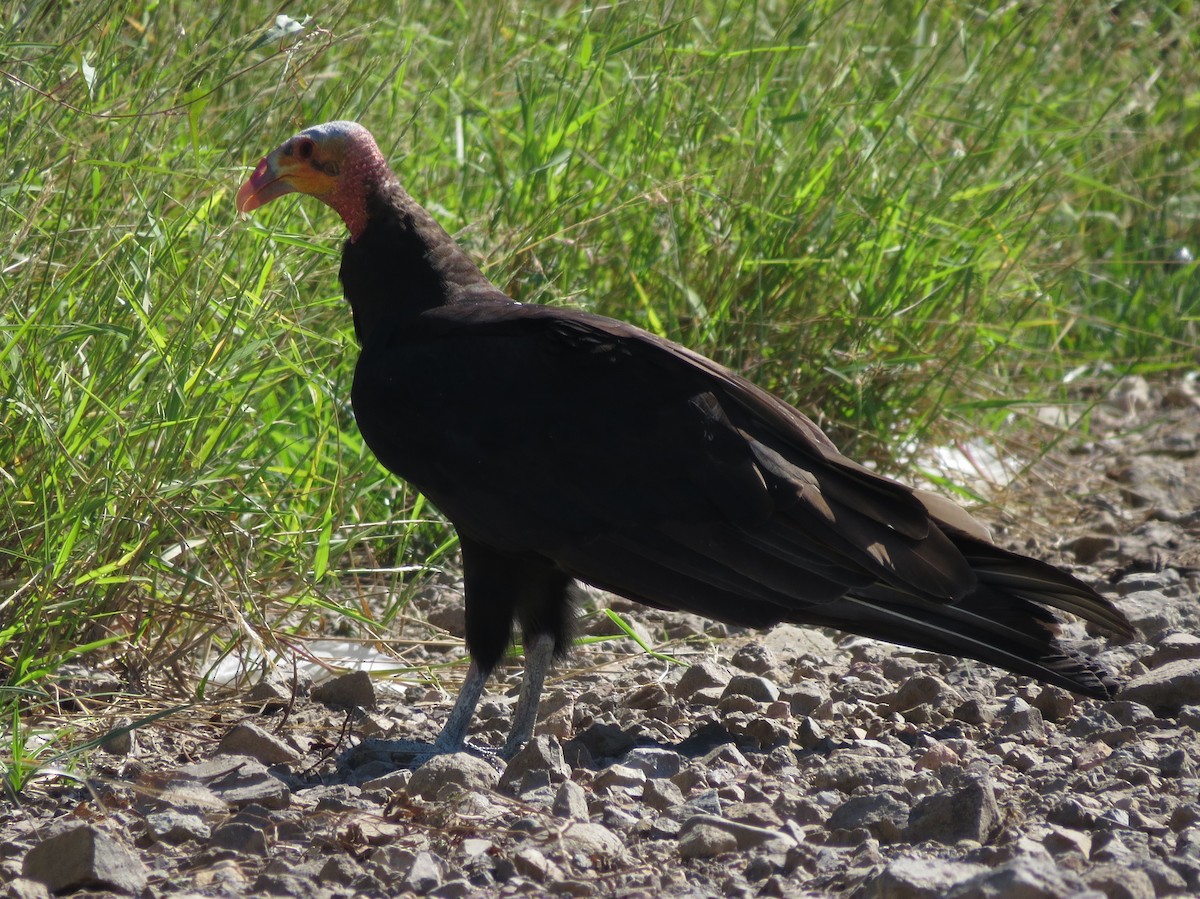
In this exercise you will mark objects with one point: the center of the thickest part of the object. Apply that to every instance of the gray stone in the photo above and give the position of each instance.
(752, 687)
(24, 888)
(847, 771)
(251, 740)
(1025, 723)
(1173, 648)
(542, 755)
(454, 773)
(701, 676)
(661, 794)
(592, 840)
(604, 741)
(236, 780)
(922, 690)
(570, 801)
(171, 826)
(1120, 882)
(755, 658)
(919, 878)
(1168, 688)
(454, 889)
(967, 812)
(619, 778)
(240, 837)
(706, 841)
(1151, 612)
(1024, 877)
(1054, 703)
(84, 858)
(424, 875)
(881, 814)
(654, 762)
(746, 836)
(353, 690)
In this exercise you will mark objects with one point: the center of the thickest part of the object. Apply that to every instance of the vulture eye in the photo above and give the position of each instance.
(304, 148)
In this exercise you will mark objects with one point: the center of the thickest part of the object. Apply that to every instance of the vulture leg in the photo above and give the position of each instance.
(538, 655)
(453, 737)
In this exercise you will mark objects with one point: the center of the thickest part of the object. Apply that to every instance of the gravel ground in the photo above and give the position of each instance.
(793, 763)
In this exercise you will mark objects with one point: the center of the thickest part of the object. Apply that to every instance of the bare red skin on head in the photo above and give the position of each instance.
(342, 166)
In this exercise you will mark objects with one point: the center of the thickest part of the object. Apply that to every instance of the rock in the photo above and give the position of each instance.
(922, 690)
(454, 773)
(745, 836)
(755, 658)
(701, 676)
(571, 801)
(1026, 724)
(268, 696)
(1025, 877)
(171, 826)
(1065, 840)
(936, 757)
(251, 740)
(919, 878)
(1120, 882)
(619, 778)
(543, 755)
(84, 858)
(752, 687)
(661, 794)
(592, 840)
(846, 771)
(974, 711)
(603, 741)
(236, 780)
(653, 761)
(1168, 688)
(1173, 648)
(240, 837)
(881, 814)
(706, 841)
(353, 690)
(423, 875)
(24, 888)
(1152, 613)
(804, 698)
(1054, 703)
(967, 812)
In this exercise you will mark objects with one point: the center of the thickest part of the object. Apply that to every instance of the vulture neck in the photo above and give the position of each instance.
(404, 263)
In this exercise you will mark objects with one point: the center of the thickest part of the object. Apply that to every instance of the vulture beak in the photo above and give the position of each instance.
(282, 172)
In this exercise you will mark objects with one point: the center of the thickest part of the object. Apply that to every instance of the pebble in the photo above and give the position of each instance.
(84, 857)
(347, 691)
(882, 815)
(251, 740)
(751, 686)
(235, 780)
(570, 801)
(701, 676)
(967, 812)
(706, 841)
(1025, 877)
(1167, 688)
(452, 774)
(919, 878)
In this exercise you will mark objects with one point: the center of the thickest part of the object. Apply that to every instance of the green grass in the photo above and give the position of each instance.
(908, 218)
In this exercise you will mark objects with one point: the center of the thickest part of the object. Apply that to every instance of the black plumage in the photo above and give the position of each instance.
(564, 445)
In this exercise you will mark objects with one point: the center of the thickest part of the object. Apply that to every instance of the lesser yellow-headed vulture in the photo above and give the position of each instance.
(564, 446)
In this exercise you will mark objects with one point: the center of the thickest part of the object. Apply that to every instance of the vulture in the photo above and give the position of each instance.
(564, 446)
